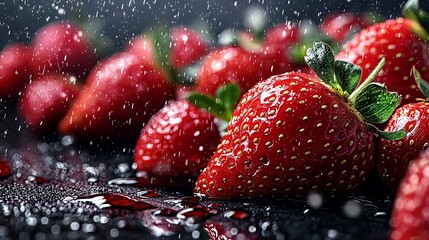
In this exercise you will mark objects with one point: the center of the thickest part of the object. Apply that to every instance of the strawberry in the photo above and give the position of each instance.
(159, 153)
(61, 47)
(46, 100)
(341, 25)
(14, 74)
(182, 47)
(401, 42)
(229, 65)
(394, 156)
(187, 47)
(409, 215)
(294, 133)
(119, 96)
(177, 141)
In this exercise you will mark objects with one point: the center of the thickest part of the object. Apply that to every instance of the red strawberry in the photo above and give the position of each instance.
(118, 98)
(397, 40)
(394, 156)
(142, 47)
(45, 102)
(341, 25)
(187, 47)
(286, 34)
(14, 75)
(183, 47)
(61, 47)
(159, 154)
(177, 142)
(229, 65)
(409, 215)
(295, 133)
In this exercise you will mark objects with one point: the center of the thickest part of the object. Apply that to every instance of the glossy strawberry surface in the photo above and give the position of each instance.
(45, 102)
(188, 47)
(395, 40)
(394, 156)
(177, 142)
(14, 73)
(61, 47)
(289, 135)
(118, 98)
(409, 215)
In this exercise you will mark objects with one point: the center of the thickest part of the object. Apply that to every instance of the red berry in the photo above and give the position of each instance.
(339, 26)
(61, 47)
(119, 97)
(45, 102)
(14, 74)
(177, 142)
(188, 47)
(396, 41)
(409, 215)
(394, 156)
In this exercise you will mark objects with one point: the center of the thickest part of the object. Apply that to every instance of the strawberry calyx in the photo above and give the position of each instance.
(412, 11)
(161, 42)
(374, 103)
(421, 84)
(222, 105)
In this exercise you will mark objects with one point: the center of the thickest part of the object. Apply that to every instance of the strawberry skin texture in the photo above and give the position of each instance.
(402, 48)
(289, 135)
(119, 97)
(409, 215)
(230, 65)
(141, 47)
(177, 142)
(394, 156)
(187, 47)
(14, 74)
(61, 47)
(45, 102)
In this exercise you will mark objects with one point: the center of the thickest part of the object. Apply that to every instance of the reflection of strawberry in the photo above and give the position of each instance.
(61, 47)
(119, 96)
(394, 156)
(46, 100)
(14, 74)
(177, 141)
(409, 216)
(292, 134)
(399, 41)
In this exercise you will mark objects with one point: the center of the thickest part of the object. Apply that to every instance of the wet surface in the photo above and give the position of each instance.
(56, 188)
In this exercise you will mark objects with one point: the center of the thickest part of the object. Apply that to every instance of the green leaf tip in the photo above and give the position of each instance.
(393, 136)
(342, 76)
(421, 83)
(412, 11)
(376, 104)
(222, 105)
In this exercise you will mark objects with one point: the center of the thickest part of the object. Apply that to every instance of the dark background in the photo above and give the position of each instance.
(19, 19)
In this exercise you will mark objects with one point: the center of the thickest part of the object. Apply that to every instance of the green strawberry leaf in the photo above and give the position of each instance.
(411, 10)
(421, 84)
(320, 58)
(348, 75)
(387, 135)
(376, 104)
(222, 105)
(228, 96)
(161, 40)
(208, 103)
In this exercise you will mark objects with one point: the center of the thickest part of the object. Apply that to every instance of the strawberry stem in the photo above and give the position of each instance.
(368, 80)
